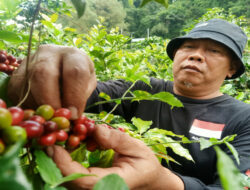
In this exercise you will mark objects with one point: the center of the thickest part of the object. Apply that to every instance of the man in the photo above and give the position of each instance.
(206, 56)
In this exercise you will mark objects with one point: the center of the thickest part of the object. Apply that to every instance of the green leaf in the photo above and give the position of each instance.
(134, 74)
(163, 2)
(54, 17)
(47, 168)
(13, 37)
(11, 173)
(166, 157)
(204, 143)
(131, 3)
(79, 154)
(112, 181)
(104, 96)
(161, 96)
(168, 142)
(141, 125)
(144, 2)
(102, 159)
(4, 80)
(228, 172)
(80, 6)
(69, 178)
(48, 187)
(234, 152)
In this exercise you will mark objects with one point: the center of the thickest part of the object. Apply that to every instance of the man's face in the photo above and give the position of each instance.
(201, 63)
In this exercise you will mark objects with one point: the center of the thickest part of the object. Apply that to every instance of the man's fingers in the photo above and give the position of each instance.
(45, 83)
(78, 81)
(67, 166)
(121, 142)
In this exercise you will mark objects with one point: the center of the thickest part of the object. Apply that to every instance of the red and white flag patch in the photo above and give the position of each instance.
(206, 129)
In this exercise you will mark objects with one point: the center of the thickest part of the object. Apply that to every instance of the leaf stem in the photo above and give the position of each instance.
(123, 96)
(109, 101)
(23, 94)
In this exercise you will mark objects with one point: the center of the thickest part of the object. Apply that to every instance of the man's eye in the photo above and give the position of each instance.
(188, 46)
(214, 50)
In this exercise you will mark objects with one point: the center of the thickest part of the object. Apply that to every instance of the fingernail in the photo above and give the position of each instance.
(50, 151)
(74, 112)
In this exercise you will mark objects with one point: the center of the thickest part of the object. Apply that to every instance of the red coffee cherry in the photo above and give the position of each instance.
(2, 104)
(91, 145)
(61, 135)
(50, 126)
(11, 59)
(3, 67)
(63, 112)
(121, 129)
(80, 129)
(38, 119)
(3, 58)
(73, 141)
(90, 124)
(47, 139)
(80, 120)
(33, 128)
(17, 115)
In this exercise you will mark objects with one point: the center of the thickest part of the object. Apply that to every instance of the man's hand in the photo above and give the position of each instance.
(59, 76)
(134, 162)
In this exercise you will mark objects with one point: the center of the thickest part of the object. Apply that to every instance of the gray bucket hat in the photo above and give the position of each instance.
(229, 34)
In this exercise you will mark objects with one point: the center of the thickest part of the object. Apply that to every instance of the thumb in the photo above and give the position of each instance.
(120, 142)
(64, 161)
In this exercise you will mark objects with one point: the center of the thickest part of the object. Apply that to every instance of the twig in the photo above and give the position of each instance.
(123, 96)
(23, 94)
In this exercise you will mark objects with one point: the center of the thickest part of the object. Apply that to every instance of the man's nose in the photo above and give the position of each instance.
(197, 55)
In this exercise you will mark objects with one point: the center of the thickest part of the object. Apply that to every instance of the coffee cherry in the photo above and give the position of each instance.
(2, 146)
(61, 122)
(38, 119)
(47, 139)
(73, 141)
(3, 67)
(91, 145)
(11, 59)
(50, 126)
(90, 125)
(17, 115)
(2, 104)
(33, 128)
(13, 134)
(121, 129)
(3, 58)
(28, 113)
(15, 64)
(46, 111)
(63, 112)
(80, 120)
(61, 135)
(82, 137)
(5, 118)
(80, 129)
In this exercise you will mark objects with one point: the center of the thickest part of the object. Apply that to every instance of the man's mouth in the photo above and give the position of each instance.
(191, 68)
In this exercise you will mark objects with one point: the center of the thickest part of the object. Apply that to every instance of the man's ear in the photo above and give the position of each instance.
(234, 66)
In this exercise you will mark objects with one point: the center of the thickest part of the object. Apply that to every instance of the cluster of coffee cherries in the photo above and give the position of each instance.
(44, 127)
(8, 63)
